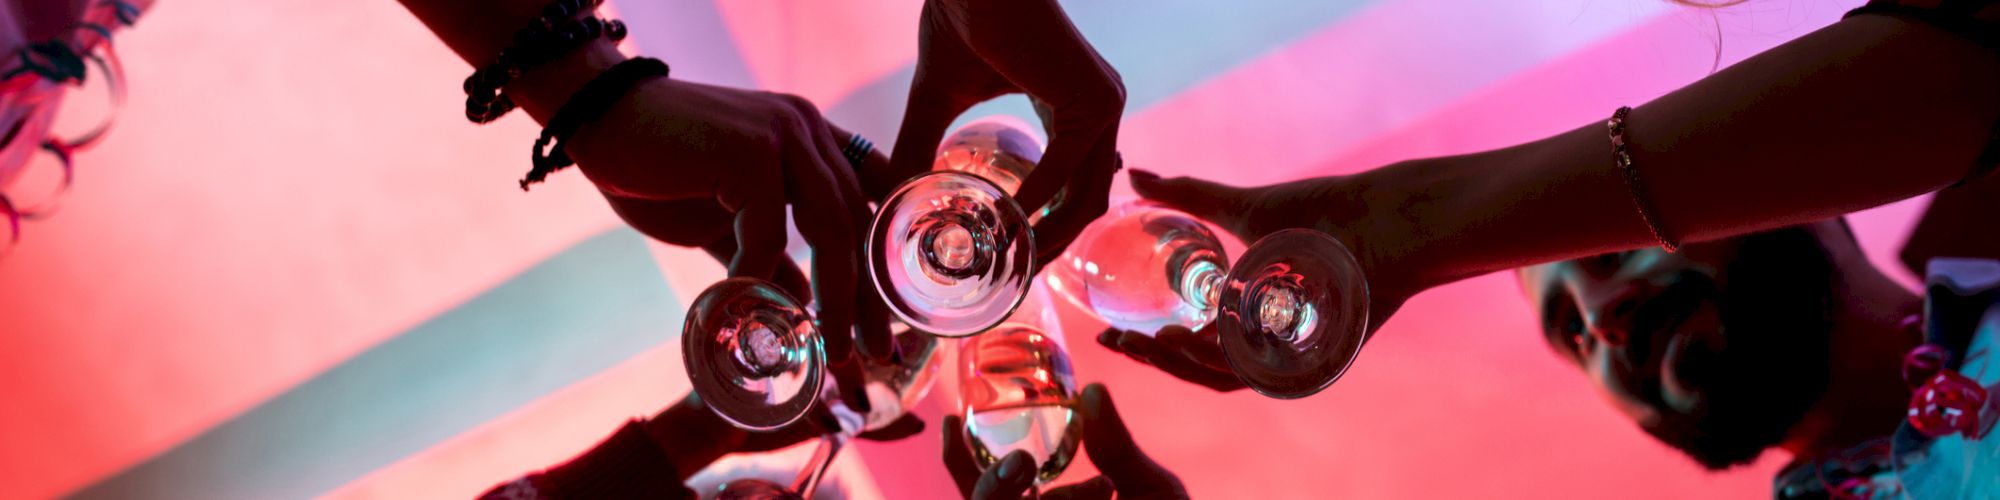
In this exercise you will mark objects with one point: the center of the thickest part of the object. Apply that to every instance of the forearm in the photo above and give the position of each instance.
(1862, 113)
(626, 464)
(692, 436)
(1463, 216)
(478, 29)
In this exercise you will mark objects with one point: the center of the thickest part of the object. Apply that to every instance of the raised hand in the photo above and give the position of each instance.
(716, 167)
(1339, 206)
(974, 50)
(688, 163)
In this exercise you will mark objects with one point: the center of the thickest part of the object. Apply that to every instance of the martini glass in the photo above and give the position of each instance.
(1290, 315)
(950, 250)
(756, 358)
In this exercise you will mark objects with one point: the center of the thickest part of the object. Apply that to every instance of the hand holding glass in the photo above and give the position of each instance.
(1019, 393)
(1290, 315)
(950, 250)
(755, 357)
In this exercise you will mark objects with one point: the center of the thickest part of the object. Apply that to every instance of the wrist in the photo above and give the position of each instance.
(692, 436)
(1463, 216)
(623, 465)
(541, 90)
(1399, 236)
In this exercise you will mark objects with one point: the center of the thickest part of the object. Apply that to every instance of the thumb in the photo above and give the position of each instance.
(1096, 488)
(908, 425)
(1009, 479)
(1225, 206)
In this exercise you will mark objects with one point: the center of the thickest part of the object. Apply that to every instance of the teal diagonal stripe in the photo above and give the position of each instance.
(576, 314)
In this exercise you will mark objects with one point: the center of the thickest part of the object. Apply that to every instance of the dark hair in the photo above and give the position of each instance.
(1711, 7)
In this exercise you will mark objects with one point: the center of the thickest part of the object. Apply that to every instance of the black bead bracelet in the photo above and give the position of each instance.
(585, 105)
(556, 31)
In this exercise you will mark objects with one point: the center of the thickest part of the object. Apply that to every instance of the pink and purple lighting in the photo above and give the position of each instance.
(294, 270)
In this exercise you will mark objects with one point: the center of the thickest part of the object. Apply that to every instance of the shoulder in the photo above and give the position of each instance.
(1977, 20)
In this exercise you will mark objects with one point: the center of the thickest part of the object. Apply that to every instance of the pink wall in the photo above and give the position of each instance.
(292, 185)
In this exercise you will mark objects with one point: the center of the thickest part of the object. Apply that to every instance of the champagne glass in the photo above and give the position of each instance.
(753, 354)
(950, 250)
(1018, 393)
(755, 357)
(1290, 315)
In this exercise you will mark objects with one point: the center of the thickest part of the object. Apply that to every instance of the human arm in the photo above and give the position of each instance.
(970, 51)
(678, 159)
(1870, 110)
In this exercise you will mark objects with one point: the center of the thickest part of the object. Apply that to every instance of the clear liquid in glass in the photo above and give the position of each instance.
(893, 388)
(951, 254)
(1018, 391)
(950, 250)
(999, 149)
(1294, 313)
(1141, 267)
(1290, 316)
(753, 353)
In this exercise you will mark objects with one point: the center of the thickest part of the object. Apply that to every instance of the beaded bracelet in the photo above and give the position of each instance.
(1623, 159)
(553, 33)
(587, 104)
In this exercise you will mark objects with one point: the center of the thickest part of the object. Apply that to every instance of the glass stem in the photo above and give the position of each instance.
(1278, 310)
(1201, 284)
(829, 447)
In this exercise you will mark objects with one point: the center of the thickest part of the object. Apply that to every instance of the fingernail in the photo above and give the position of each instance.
(1093, 396)
(1109, 338)
(1128, 344)
(1015, 465)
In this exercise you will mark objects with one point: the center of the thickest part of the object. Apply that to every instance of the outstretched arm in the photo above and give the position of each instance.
(685, 162)
(1870, 110)
(478, 29)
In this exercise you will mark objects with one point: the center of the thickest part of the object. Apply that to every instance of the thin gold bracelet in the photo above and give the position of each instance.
(1623, 158)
